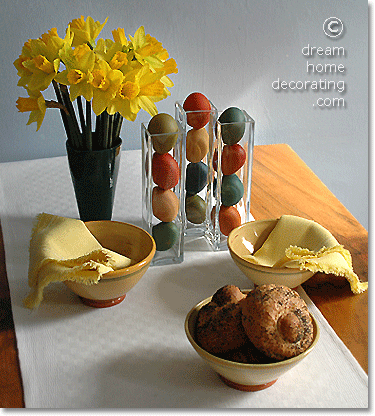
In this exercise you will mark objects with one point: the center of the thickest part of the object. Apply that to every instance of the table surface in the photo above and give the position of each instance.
(281, 184)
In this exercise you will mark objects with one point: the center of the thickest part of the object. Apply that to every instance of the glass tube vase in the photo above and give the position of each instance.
(231, 169)
(163, 182)
(199, 181)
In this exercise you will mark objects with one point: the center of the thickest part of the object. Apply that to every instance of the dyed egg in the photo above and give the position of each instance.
(198, 110)
(232, 158)
(165, 170)
(232, 125)
(165, 204)
(165, 235)
(229, 219)
(232, 190)
(196, 177)
(195, 208)
(161, 125)
(197, 144)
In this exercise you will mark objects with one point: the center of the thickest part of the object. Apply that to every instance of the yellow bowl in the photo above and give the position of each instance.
(249, 237)
(128, 240)
(246, 377)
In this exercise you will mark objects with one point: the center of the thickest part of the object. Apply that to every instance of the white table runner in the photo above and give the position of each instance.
(136, 354)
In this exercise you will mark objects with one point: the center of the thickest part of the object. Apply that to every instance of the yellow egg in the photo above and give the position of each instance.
(197, 145)
(165, 204)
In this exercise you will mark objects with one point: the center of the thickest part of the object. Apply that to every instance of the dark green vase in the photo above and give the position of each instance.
(94, 176)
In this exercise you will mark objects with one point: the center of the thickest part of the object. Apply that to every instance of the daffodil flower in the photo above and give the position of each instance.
(139, 89)
(106, 83)
(86, 31)
(147, 50)
(40, 61)
(117, 76)
(35, 103)
(119, 37)
(79, 63)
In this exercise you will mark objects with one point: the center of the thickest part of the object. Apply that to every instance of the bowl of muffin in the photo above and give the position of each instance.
(250, 338)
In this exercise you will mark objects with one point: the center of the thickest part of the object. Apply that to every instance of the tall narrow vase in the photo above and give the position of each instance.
(94, 176)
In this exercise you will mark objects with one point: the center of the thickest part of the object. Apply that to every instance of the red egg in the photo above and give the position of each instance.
(165, 170)
(198, 108)
(229, 219)
(233, 158)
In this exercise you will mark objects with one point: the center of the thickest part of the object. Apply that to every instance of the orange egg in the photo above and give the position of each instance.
(229, 219)
(165, 204)
(198, 108)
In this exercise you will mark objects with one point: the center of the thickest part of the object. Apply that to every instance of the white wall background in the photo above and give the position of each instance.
(231, 51)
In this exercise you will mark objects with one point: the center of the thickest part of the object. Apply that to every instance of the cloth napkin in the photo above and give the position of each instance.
(297, 242)
(64, 249)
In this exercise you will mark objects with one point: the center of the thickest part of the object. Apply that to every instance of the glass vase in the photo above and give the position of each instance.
(199, 181)
(231, 168)
(163, 181)
(94, 176)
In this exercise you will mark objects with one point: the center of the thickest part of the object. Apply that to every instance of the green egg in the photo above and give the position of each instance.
(195, 208)
(160, 127)
(232, 190)
(165, 235)
(233, 125)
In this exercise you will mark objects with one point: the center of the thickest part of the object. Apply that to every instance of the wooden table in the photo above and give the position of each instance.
(282, 184)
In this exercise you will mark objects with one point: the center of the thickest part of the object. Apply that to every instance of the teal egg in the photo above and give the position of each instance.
(196, 177)
(232, 190)
(195, 208)
(165, 235)
(233, 125)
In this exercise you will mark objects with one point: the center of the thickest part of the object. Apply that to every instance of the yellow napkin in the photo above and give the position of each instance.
(64, 249)
(296, 242)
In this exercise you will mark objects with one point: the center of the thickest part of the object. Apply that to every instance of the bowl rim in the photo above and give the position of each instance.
(261, 267)
(213, 358)
(134, 268)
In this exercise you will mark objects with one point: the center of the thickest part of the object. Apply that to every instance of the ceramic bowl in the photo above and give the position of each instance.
(128, 240)
(249, 237)
(246, 377)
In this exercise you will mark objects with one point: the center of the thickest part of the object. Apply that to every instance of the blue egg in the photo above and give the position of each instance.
(196, 177)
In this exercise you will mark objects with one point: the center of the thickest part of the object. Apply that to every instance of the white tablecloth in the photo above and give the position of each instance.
(136, 354)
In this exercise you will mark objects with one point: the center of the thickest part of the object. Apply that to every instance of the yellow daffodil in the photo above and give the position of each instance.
(40, 62)
(147, 50)
(79, 63)
(121, 75)
(106, 83)
(86, 31)
(34, 103)
(119, 36)
(139, 89)
(113, 53)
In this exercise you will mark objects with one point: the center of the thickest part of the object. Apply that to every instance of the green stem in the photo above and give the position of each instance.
(88, 125)
(81, 118)
(105, 128)
(117, 127)
(63, 114)
(74, 127)
(110, 131)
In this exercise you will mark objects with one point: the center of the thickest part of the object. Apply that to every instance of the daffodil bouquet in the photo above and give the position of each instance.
(114, 79)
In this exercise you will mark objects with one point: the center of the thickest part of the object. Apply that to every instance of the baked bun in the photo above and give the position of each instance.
(219, 325)
(277, 321)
